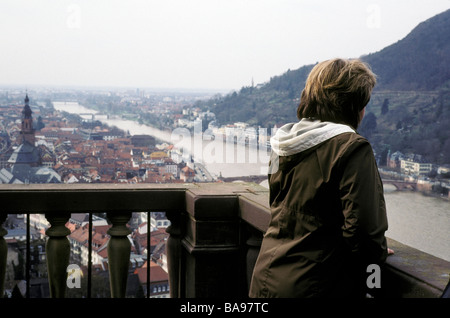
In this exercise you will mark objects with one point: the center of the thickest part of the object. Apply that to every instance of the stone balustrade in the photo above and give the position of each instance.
(215, 234)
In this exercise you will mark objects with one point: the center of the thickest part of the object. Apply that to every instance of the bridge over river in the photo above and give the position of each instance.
(93, 116)
(402, 185)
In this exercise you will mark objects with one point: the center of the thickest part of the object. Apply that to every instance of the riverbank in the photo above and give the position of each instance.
(436, 188)
(391, 188)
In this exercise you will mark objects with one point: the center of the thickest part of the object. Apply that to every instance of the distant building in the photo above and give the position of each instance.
(81, 219)
(79, 241)
(159, 220)
(26, 153)
(27, 132)
(24, 174)
(444, 169)
(143, 141)
(139, 237)
(25, 161)
(187, 174)
(159, 280)
(158, 155)
(5, 148)
(393, 160)
(409, 166)
(16, 234)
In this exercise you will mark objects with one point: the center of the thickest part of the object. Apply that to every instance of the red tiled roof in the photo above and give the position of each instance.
(157, 273)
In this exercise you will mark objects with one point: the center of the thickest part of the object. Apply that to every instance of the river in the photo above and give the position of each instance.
(414, 219)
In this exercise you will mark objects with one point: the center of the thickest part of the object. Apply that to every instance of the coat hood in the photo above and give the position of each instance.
(294, 138)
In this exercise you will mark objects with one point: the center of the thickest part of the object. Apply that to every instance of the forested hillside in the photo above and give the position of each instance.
(419, 62)
(272, 104)
(409, 122)
(410, 107)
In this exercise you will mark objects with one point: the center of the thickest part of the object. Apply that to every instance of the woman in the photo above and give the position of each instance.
(326, 196)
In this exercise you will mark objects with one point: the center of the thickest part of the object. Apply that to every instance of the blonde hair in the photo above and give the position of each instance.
(337, 90)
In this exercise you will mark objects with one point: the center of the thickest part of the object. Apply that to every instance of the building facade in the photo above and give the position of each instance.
(415, 167)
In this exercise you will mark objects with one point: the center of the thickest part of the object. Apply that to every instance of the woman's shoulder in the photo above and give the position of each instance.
(350, 140)
(351, 136)
(347, 144)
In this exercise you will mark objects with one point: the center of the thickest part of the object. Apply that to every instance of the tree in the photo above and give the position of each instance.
(368, 125)
(385, 107)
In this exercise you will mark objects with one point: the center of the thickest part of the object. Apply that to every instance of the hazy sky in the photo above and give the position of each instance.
(213, 44)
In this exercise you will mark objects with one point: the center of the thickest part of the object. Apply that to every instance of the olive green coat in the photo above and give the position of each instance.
(328, 222)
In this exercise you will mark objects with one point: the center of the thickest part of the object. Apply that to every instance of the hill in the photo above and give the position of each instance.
(410, 107)
(418, 62)
(273, 103)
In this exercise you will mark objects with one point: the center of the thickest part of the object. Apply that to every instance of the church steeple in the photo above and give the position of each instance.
(27, 132)
(26, 109)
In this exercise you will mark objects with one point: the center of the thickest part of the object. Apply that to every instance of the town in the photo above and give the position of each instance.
(78, 225)
(59, 148)
(62, 148)
(39, 144)
(73, 148)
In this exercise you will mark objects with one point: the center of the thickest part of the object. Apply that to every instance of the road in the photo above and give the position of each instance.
(202, 174)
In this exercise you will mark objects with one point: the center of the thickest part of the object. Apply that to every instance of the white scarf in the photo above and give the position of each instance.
(297, 137)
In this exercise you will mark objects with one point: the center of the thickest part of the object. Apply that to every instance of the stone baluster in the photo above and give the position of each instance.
(3, 253)
(119, 249)
(174, 253)
(58, 253)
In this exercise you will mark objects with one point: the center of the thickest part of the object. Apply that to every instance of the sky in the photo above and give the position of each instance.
(191, 44)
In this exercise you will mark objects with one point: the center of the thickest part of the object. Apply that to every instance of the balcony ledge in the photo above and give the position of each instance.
(213, 222)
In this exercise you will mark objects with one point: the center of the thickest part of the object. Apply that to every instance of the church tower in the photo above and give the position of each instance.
(27, 132)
